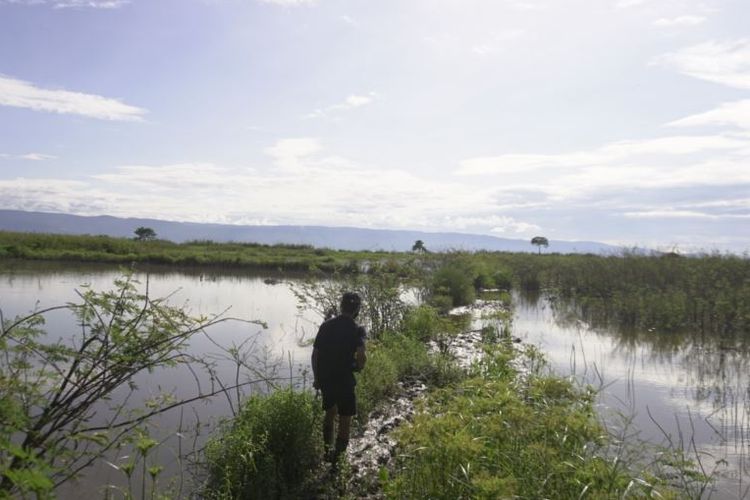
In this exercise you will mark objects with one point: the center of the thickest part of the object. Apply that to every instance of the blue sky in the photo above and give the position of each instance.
(623, 121)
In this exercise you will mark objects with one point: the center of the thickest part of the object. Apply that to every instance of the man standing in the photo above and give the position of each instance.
(339, 351)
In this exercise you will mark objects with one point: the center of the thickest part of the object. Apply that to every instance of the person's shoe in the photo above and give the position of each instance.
(341, 445)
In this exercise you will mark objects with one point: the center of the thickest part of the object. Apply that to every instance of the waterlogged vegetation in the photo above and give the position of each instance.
(274, 448)
(505, 427)
(706, 295)
(33, 246)
(510, 430)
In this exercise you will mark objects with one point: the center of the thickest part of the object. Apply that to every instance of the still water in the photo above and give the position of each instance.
(280, 351)
(677, 391)
(673, 391)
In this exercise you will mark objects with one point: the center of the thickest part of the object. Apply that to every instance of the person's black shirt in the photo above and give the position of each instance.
(337, 341)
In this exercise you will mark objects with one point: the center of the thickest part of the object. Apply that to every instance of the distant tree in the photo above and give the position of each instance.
(540, 241)
(418, 246)
(144, 234)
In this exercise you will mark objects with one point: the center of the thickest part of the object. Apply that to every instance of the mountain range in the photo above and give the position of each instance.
(346, 238)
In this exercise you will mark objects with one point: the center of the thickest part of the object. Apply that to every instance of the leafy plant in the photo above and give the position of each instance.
(50, 391)
(498, 435)
(270, 450)
(381, 291)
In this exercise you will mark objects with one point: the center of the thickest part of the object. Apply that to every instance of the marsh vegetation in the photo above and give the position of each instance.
(267, 443)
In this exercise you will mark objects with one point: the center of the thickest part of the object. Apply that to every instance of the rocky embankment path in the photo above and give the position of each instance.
(375, 447)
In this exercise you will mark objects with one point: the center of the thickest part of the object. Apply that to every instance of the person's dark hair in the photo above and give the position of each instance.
(350, 303)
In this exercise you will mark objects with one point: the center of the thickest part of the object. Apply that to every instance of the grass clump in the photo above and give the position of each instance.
(270, 450)
(397, 357)
(499, 435)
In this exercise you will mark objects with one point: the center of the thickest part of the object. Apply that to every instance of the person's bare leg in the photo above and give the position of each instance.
(328, 423)
(345, 423)
(342, 438)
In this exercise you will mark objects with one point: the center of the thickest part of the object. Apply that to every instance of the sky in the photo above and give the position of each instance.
(620, 121)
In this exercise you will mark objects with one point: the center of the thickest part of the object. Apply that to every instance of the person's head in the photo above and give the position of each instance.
(350, 304)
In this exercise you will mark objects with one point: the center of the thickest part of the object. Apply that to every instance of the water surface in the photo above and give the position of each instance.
(673, 390)
(280, 351)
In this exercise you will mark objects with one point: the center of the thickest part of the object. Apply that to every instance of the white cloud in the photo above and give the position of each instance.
(624, 4)
(616, 176)
(288, 153)
(727, 63)
(198, 176)
(27, 156)
(305, 184)
(57, 195)
(321, 189)
(495, 223)
(289, 3)
(75, 4)
(351, 102)
(497, 42)
(679, 21)
(348, 20)
(21, 94)
(616, 152)
(735, 114)
(94, 4)
(681, 214)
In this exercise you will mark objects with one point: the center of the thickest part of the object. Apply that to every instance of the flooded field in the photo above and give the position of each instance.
(678, 391)
(672, 390)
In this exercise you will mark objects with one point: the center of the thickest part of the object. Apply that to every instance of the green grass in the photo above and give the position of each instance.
(498, 435)
(656, 294)
(36, 246)
(272, 449)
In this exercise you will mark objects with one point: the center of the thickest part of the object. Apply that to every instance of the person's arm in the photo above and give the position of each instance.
(314, 363)
(360, 357)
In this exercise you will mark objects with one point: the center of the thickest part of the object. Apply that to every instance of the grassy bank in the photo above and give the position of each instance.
(35, 246)
(505, 433)
(274, 448)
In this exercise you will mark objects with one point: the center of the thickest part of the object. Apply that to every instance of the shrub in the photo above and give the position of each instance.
(503, 279)
(454, 280)
(51, 392)
(396, 357)
(377, 381)
(494, 436)
(269, 450)
(422, 323)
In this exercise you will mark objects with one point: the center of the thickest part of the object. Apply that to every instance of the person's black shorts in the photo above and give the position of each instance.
(340, 396)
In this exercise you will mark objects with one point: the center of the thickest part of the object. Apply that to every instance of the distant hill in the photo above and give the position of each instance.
(347, 238)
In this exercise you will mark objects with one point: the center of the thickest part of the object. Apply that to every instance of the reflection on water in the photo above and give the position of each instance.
(686, 390)
(26, 287)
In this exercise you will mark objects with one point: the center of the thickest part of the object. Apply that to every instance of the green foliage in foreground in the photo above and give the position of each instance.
(499, 435)
(273, 448)
(50, 390)
(395, 358)
(270, 450)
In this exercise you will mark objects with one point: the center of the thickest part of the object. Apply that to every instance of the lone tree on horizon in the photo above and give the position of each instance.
(418, 247)
(540, 241)
(144, 234)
